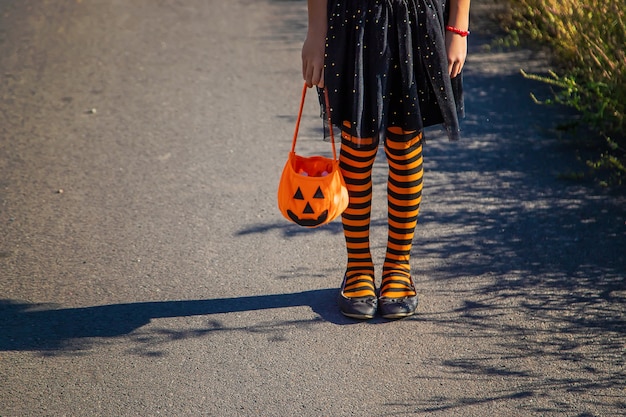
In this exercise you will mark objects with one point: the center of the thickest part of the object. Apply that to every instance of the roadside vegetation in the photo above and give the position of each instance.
(588, 41)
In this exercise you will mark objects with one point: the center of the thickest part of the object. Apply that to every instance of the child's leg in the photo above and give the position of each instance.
(356, 166)
(404, 193)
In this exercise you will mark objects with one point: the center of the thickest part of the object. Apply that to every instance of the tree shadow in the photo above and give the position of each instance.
(543, 258)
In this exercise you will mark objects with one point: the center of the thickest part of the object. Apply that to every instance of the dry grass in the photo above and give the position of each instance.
(588, 39)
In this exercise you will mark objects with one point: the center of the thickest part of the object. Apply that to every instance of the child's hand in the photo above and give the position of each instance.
(456, 48)
(313, 59)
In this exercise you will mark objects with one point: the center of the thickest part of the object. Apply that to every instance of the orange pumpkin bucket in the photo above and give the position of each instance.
(312, 191)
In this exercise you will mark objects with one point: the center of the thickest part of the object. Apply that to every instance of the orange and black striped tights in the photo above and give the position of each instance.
(404, 193)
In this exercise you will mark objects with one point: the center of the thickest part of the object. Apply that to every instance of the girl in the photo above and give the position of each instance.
(391, 68)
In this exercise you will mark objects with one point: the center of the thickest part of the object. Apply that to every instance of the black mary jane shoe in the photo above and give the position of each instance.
(362, 308)
(397, 308)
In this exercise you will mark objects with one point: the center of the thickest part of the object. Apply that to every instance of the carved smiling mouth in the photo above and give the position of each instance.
(308, 222)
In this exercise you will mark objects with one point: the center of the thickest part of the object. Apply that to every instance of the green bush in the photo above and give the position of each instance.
(588, 41)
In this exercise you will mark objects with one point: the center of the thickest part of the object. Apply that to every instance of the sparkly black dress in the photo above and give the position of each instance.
(386, 66)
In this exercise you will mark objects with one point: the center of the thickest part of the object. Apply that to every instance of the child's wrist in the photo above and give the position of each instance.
(317, 31)
(458, 31)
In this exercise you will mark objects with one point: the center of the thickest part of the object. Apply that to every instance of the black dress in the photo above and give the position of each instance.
(386, 65)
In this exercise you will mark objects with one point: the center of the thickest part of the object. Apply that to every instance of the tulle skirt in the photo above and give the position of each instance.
(386, 65)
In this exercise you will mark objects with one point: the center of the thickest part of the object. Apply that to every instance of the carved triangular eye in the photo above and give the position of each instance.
(319, 193)
(308, 209)
(298, 195)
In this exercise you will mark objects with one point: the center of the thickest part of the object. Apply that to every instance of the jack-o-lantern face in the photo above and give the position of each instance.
(313, 199)
(309, 215)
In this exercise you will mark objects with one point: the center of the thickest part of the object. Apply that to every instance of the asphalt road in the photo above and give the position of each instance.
(145, 268)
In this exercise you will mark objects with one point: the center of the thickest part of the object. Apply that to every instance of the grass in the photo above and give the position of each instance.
(587, 39)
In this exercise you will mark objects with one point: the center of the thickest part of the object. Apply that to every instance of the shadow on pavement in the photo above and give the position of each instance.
(26, 327)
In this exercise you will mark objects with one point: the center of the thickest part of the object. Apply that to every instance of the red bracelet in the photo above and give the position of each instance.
(452, 29)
